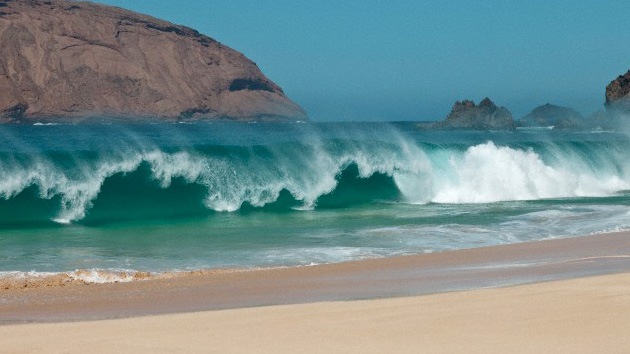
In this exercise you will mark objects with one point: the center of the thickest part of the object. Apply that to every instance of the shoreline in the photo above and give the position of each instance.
(396, 277)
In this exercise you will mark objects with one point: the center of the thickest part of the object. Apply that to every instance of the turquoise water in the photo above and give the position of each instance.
(216, 195)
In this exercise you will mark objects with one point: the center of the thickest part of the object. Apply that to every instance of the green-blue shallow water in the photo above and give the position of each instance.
(208, 195)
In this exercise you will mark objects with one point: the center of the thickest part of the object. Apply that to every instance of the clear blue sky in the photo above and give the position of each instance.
(410, 60)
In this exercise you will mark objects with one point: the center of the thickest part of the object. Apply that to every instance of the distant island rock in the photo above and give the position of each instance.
(618, 93)
(549, 115)
(466, 115)
(79, 61)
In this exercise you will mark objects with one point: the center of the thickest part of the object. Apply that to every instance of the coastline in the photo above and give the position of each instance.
(397, 277)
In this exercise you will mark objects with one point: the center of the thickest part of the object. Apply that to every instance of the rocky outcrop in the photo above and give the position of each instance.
(618, 93)
(485, 116)
(79, 61)
(550, 115)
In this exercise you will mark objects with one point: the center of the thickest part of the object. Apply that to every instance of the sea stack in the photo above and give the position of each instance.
(83, 62)
(485, 116)
(549, 115)
(618, 93)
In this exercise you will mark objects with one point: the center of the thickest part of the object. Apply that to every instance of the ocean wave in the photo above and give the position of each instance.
(488, 173)
(307, 174)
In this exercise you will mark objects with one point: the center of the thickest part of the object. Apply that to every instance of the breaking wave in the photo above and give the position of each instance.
(146, 180)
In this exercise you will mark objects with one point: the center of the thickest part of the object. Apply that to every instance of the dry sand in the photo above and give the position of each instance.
(587, 315)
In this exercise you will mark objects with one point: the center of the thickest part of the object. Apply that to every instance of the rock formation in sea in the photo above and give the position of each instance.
(485, 116)
(618, 93)
(549, 115)
(79, 61)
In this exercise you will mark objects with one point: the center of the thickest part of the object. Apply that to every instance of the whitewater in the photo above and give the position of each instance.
(168, 197)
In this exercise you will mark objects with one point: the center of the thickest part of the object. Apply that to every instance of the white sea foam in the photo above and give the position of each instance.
(88, 276)
(489, 173)
(95, 276)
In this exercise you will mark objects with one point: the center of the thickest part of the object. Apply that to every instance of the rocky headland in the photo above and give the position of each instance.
(83, 62)
(618, 93)
(617, 107)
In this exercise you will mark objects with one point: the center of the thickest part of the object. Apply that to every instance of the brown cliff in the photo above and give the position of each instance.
(78, 61)
(618, 93)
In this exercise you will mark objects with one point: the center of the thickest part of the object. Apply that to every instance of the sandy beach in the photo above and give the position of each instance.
(587, 315)
(575, 298)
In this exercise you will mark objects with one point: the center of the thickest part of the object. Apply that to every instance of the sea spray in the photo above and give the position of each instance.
(310, 167)
(488, 173)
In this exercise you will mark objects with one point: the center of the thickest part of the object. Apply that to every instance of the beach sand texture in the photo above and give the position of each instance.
(587, 315)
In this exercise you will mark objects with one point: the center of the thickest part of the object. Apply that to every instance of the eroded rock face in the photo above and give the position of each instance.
(485, 116)
(618, 93)
(79, 61)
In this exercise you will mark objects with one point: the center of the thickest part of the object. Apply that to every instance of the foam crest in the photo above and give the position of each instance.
(165, 167)
(259, 179)
(311, 167)
(79, 184)
(95, 276)
(15, 176)
(77, 196)
(307, 171)
(489, 173)
(414, 177)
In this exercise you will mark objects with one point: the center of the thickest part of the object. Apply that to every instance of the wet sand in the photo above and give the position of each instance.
(56, 301)
(391, 311)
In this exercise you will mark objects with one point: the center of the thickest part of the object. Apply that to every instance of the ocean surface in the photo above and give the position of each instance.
(179, 197)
